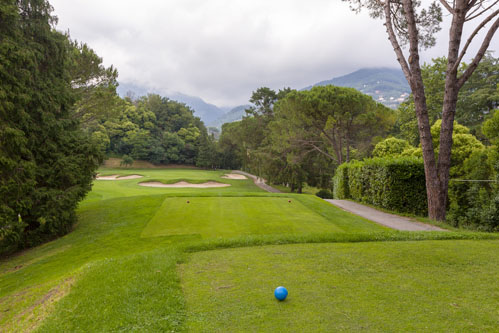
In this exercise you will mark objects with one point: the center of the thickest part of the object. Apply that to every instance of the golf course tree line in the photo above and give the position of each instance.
(154, 129)
(296, 137)
(47, 162)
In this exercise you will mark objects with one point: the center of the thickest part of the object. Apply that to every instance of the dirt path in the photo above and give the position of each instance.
(260, 182)
(388, 220)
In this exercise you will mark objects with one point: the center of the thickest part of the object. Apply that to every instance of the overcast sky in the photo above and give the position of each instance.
(222, 50)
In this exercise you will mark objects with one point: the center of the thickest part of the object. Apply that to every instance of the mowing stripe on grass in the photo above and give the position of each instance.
(214, 217)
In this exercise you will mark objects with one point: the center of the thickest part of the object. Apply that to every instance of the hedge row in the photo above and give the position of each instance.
(397, 184)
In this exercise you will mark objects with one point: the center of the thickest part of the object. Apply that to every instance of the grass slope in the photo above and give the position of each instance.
(105, 277)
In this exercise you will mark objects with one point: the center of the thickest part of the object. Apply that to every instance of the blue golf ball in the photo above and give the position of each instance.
(280, 293)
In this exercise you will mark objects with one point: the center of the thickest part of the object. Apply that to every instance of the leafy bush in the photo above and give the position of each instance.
(475, 204)
(390, 147)
(340, 182)
(324, 194)
(396, 184)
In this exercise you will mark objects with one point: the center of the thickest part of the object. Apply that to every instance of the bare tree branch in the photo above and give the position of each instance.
(314, 147)
(473, 3)
(472, 36)
(395, 44)
(469, 18)
(447, 6)
(323, 152)
(481, 52)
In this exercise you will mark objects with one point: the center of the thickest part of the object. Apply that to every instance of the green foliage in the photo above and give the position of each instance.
(46, 162)
(207, 156)
(341, 189)
(473, 202)
(94, 87)
(491, 128)
(153, 129)
(396, 184)
(464, 144)
(324, 194)
(478, 96)
(390, 147)
(126, 161)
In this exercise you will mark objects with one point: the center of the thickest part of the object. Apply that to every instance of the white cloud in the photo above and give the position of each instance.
(221, 50)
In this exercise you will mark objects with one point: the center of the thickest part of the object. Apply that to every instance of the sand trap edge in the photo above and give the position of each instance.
(234, 176)
(184, 185)
(117, 177)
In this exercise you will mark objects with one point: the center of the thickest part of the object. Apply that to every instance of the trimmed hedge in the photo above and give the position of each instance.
(396, 184)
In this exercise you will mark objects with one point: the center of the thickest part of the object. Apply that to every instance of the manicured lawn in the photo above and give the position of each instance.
(107, 189)
(437, 286)
(106, 276)
(217, 217)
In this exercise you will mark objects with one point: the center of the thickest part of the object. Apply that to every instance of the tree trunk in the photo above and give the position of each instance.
(449, 105)
(437, 175)
(434, 191)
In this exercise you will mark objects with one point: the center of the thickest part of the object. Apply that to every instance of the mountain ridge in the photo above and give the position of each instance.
(385, 85)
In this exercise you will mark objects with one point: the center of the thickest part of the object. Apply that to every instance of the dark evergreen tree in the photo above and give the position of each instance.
(47, 164)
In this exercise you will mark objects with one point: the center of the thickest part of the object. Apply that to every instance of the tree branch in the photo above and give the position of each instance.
(469, 18)
(472, 36)
(447, 6)
(323, 152)
(481, 52)
(314, 147)
(395, 44)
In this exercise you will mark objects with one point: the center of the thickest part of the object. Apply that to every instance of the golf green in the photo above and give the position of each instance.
(213, 217)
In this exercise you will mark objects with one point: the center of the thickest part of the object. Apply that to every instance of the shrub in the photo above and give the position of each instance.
(475, 204)
(396, 184)
(324, 194)
(390, 147)
(340, 182)
(126, 161)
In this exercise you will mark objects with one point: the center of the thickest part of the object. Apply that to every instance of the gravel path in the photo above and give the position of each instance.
(260, 182)
(388, 220)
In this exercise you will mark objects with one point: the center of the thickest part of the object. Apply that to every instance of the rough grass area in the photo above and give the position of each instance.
(235, 216)
(436, 286)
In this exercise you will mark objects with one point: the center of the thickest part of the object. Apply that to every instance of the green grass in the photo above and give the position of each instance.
(107, 189)
(223, 217)
(377, 287)
(105, 276)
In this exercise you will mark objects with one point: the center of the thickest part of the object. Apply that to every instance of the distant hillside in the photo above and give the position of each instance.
(235, 114)
(385, 85)
(208, 113)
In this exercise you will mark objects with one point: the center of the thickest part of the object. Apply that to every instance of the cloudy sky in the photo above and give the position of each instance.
(222, 50)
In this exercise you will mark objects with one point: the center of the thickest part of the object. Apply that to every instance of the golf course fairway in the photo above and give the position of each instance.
(146, 259)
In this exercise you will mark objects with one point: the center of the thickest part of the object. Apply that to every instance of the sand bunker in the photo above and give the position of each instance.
(117, 177)
(185, 184)
(234, 176)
